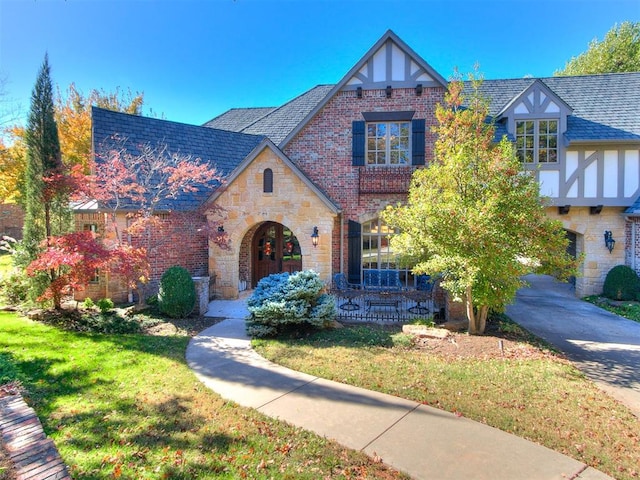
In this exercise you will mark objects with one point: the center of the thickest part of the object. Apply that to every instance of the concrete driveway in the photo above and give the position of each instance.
(604, 346)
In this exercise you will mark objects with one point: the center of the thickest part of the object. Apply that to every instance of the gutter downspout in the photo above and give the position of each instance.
(341, 242)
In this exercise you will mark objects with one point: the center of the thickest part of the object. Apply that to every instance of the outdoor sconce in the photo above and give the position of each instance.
(220, 228)
(609, 242)
(388, 90)
(314, 237)
(359, 92)
(419, 90)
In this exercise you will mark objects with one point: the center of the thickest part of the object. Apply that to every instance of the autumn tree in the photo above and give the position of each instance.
(73, 116)
(13, 155)
(139, 183)
(474, 215)
(619, 51)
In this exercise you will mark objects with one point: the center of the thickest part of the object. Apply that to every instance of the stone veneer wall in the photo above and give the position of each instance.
(322, 149)
(590, 241)
(246, 206)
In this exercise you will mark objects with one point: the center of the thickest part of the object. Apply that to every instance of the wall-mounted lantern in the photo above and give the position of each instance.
(388, 91)
(419, 90)
(315, 236)
(609, 242)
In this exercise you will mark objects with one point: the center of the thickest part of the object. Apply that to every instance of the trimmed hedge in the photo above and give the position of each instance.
(177, 294)
(622, 283)
(285, 299)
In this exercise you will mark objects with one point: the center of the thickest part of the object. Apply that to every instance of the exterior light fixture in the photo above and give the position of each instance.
(359, 92)
(419, 90)
(609, 242)
(388, 91)
(315, 237)
(220, 228)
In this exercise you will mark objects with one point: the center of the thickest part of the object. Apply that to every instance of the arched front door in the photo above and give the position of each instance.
(274, 250)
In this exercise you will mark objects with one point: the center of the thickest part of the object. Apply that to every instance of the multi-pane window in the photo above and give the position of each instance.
(388, 143)
(537, 141)
(377, 253)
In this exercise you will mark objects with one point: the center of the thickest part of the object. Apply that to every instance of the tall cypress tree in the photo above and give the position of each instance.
(46, 204)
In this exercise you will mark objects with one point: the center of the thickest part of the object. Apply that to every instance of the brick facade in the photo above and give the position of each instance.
(323, 149)
(11, 220)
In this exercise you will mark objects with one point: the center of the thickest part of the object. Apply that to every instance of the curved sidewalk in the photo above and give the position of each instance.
(422, 441)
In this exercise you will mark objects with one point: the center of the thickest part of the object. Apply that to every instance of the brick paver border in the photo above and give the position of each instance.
(34, 455)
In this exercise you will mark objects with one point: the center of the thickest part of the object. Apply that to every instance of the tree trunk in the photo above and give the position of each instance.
(477, 319)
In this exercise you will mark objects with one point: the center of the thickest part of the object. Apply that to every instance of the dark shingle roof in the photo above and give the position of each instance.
(605, 107)
(221, 149)
(279, 122)
(236, 119)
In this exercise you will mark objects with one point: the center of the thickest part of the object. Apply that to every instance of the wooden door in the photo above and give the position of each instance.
(275, 250)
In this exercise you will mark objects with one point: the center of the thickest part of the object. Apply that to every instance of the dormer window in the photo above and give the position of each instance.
(537, 141)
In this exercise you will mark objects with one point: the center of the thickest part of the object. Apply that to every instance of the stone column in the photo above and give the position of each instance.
(202, 294)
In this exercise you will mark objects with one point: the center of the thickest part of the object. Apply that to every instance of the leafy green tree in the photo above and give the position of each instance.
(474, 215)
(46, 186)
(619, 51)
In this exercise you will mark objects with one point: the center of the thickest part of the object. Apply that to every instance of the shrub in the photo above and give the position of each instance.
(621, 283)
(104, 304)
(88, 303)
(282, 300)
(14, 288)
(177, 294)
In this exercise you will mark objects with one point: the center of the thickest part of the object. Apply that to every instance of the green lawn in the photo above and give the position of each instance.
(127, 406)
(545, 400)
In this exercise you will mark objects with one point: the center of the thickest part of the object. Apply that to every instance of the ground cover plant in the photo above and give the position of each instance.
(127, 406)
(505, 379)
(626, 309)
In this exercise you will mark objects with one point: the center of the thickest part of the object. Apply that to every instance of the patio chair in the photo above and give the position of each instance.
(342, 288)
(422, 294)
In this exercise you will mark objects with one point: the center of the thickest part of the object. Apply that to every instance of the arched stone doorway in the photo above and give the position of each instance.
(274, 249)
(572, 249)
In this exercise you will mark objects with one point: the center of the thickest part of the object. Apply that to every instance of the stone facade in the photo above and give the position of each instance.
(292, 203)
(589, 229)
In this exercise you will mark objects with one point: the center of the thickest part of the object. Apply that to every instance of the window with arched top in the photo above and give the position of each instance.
(267, 181)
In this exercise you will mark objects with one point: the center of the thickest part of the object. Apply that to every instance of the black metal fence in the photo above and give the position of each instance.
(388, 306)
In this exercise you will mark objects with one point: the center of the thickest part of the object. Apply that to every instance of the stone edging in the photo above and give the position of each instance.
(34, 456)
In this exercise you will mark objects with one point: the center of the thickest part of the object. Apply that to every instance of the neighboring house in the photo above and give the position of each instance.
(11, 220)
(330, 160)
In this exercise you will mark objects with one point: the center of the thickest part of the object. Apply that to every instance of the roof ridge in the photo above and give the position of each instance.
(162, 120)
(271, 109)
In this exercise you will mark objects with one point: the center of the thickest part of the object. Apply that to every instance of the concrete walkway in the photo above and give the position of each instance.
(422, 441)
(604, 346)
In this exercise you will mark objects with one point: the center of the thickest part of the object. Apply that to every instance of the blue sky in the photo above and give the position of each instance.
(196, 59)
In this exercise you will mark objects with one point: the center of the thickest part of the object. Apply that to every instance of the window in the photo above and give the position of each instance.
(537, 141)
(376, 250)
(267, 181)
(388, 143)
(90, 227)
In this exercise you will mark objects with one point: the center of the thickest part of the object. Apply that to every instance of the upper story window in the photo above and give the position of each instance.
(537, 141)
(388, 143)
(267, 181)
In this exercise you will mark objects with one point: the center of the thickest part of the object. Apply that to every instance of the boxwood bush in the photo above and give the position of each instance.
(284, 299)
(621, 283)
(177, 294)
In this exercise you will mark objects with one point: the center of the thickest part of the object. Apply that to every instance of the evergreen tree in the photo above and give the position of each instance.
(46, 195)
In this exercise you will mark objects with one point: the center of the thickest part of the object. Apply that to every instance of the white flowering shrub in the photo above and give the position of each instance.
(285, 299)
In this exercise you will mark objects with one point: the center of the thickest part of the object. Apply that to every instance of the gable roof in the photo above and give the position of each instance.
(221, 149)
(604, 107)
(266, 143)
(275, 123)
(237, 119)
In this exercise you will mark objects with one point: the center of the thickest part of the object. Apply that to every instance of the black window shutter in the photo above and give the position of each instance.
(358, 149)
(354, 245)
(417, 141)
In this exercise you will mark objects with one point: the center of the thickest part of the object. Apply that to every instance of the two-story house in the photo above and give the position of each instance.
(305, 182)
